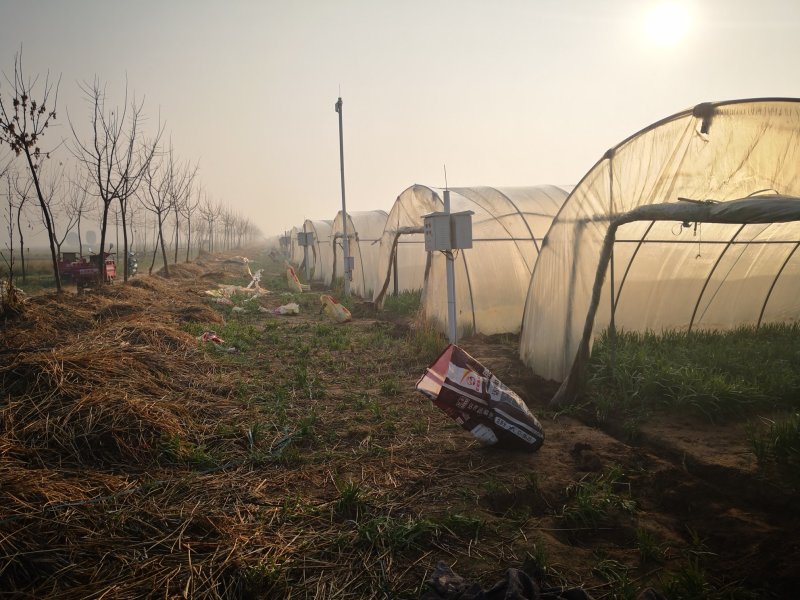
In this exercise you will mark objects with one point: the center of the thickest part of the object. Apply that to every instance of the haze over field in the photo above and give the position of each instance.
(505, 93)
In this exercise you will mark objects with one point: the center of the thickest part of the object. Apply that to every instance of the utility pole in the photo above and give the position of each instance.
(452, 330)
(345, 241)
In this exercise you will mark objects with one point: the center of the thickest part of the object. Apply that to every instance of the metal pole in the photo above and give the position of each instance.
(452, 332)
(345, 240)
(305, 254)
(394, 268)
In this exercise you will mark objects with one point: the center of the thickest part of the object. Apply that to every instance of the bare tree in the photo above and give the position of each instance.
(76, 205)
(163, 182)
(58, 205)
(189, 208)
(23, 191)
(22, 124)
(181, 191)
(228, 218)
(114, 159)
(8, 292)
(210, 211)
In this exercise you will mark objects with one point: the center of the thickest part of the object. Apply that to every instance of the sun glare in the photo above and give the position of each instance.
(667, 23)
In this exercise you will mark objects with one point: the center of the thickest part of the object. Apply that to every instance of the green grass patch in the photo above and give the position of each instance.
(405, 304)
(237, 334)
(331, 337)
(425, 342)
(351, 501)
(779, 443)
(397, 533)
(718, 375)
(594, 501)
(174, 449)
(390, 387)
(618, 577)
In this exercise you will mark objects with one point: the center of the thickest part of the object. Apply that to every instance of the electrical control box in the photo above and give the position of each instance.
(305, 238)
(448, 231)
(349, 263)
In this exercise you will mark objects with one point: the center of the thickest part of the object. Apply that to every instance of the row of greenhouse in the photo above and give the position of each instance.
(691, 223)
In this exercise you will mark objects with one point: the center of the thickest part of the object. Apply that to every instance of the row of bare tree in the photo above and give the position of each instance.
(119, 170)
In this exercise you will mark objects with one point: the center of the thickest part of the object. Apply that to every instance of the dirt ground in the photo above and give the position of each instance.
(305, 465)
(693, 481)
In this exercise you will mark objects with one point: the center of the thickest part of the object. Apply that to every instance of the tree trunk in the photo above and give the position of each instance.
(163, 248)
(21, 242)
(124, 242)
(188, 238)
(153, 261)
(177, 238)
(103, 229)
(46, 214)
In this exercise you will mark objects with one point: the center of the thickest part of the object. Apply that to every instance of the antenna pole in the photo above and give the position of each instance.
(345, 241)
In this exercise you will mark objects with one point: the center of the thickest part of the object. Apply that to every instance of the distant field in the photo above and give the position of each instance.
(39, 270)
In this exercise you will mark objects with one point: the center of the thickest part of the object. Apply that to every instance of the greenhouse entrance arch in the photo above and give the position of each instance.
(686, 274)
(492, 277)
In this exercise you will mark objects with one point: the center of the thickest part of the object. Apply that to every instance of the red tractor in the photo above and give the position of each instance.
(85, 271)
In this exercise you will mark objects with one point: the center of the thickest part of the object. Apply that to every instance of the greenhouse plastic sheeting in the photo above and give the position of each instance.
(321, 251)
(667, 274)
(364, 232)
(295, 249)
(492, 277)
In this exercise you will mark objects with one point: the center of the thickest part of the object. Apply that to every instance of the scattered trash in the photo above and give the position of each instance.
(294, 282)
(226, 291)
(210, 336)
(447, 585)
(334, 310)
(255, 283)
(223, 300)
(287, 309)
(469, 393)
(253, 289)
(238, 309)
(239, 260)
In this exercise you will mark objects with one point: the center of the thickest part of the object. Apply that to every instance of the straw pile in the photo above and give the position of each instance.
(134, 464)
(106, 407)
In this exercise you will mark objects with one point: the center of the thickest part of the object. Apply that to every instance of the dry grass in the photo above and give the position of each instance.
(130, 468)
(135, 463)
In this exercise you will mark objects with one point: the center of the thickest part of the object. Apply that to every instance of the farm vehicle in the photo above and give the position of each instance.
(84, 271)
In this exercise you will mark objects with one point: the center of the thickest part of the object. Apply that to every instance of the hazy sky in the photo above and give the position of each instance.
(503, 92)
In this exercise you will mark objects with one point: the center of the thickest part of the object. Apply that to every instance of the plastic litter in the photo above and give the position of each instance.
(445, 584)
(238, 309)
(239, 260)
(294, 282)
(210, 336)
(253, 289)
(224, 301)
(475, 399)
(287, 309)
(334, 310)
